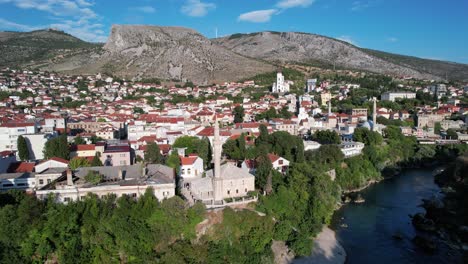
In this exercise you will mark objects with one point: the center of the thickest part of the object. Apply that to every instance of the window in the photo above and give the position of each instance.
(245, 189)
(182, 171)
(66, 199)
(123, 162)
(188, 171)
(49, 181)
(280, 162)
(228, 192)
(134, 195)
(237, 190)
(41, 181)
(123, 155)
(8, 185)
(82, 197)
(21, 184)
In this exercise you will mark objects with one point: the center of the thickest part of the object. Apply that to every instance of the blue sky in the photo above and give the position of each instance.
(433, 29)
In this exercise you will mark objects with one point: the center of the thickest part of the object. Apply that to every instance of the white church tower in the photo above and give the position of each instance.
(280, 86)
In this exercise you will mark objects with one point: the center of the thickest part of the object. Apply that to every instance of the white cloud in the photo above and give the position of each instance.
(294, 3)
(8, 25)
(392, 39)
(363, 4)
(61, 8)
(72, 16)
(258, 16)
(144, 9)
(196, 8)
(348, 39)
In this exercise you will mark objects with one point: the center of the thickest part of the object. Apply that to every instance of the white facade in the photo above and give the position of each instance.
(20, 180)
(280, 86)
(191, 167)
(36, 144)
(351, 149)
(392, 96)
(311, 85)
(123, 180)
(9, 134)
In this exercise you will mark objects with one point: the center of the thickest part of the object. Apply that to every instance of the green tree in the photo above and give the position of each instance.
(57, 147)
(364, 135)
(152, 153)
(203, 149)
(96, 162)
(188, 142)
(326, 137)
(238, 114)
(451, 134)
(78, 162)
(173, 161)
(284, 113)
(93, 177)
(23, 150)
(263, 172)
(79, 141)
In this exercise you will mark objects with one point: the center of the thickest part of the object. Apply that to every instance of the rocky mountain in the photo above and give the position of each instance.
(307, 48)
(41, 48)
(184, 54)
(173, 53)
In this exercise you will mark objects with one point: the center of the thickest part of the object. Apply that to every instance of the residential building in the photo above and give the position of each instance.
(131, 180)
(350, 148)
(392, 96)
(191, 167)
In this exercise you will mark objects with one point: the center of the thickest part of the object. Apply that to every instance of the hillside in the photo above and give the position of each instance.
(444, 69)
(173, 53)
(176, 53)
(314, 49)
(40, 47)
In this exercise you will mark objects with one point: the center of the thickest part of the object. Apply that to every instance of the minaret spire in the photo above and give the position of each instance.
(217, 145)
(374, 115)
(217, 178)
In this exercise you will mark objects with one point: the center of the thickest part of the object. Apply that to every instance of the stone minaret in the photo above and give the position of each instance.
(217, 180)
(329, 108)
(374, 115)
(217, 147)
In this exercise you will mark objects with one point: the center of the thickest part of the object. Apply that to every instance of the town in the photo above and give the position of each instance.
(112, 127)
(276, 153)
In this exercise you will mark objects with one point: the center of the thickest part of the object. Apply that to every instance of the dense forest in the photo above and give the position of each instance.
(294, 209)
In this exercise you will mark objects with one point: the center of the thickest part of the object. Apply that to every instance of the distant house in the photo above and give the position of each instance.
(279, 164)
(191, 167)
(351, 149)
(83, 151)
(49, 171)
(116, 155)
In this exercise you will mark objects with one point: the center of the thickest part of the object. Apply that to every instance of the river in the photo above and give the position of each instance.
(365, 230)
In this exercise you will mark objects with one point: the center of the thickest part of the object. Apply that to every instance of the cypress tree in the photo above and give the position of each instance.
(23, 150)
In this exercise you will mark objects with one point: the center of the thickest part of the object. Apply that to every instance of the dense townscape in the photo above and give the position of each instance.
(282, 145)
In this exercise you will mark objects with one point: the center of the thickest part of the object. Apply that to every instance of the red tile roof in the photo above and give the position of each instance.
(188, 160)
(59, 160)
(85, 147)
(21, 167)
(273, 157)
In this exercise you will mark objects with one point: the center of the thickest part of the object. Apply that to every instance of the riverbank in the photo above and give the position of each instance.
(326, 250)
(448, 215)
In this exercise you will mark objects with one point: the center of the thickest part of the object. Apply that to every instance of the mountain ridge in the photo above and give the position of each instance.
(248, 44)
(184, 54)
